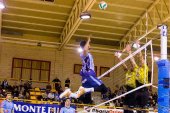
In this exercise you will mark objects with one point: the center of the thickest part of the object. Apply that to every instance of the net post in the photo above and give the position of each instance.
(163, 32)
(163, 74)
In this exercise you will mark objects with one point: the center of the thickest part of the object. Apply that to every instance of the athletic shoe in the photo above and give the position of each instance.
(66, 93)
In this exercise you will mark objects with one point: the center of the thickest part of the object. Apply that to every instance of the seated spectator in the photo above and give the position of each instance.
(30, 83)
(155, 98)
(4, 93)
(52, 110)
(44, 96)
(10, 88)
(1, 92)
(21, 85)
(21, 96)
(60, 90)
(15, 86)
(27, 95)
(51, 95)
(48, 88)
(67, 83)
(56, 96)
(57, 84)
(15, 92)
(26, 88)
(5, 84)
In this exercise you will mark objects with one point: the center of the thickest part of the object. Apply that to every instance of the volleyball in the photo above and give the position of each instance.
(103, 5)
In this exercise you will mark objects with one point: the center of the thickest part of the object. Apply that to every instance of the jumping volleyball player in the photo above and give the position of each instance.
(90, 82)
(142, 95)
(129, 100)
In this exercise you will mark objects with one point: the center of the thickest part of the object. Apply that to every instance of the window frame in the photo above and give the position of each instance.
(31, 68)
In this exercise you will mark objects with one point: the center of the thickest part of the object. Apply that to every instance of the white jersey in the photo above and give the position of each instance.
(87, 62)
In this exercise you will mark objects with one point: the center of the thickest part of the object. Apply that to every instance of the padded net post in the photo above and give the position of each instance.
(163, 75)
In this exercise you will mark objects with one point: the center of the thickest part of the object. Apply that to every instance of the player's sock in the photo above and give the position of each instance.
(81, 91)
(74, 95)
(66, 93)
(89, 90)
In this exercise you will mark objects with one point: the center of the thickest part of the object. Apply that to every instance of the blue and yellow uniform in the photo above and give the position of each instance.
(142, 74)
(131, 79)
(142, 95)
(129, 99)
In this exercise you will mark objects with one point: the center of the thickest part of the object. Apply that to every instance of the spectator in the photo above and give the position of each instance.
(67, 83)
(57, 83)
(30, 83)
(7, 105)
(52, 110)
(44, 96)
(5, 84)
(27, 95)
(21, 96)
(56, 96)
(15, 92)
(51, 95)
(26, 87)
(1, 92)
(20, 85)
(48, 88)
(67, 108)
(60, 90)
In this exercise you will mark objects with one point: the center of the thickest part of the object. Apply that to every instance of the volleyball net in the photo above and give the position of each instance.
(116, 77)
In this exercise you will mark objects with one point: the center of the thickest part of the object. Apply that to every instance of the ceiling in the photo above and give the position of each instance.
(45, 21)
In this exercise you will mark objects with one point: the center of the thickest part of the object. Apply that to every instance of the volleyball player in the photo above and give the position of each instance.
(129, 100)
(90, 82)
(142, 95)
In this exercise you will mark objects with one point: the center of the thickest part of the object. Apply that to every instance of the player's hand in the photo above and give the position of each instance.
(128, 48)
(89, 38)
(116, 54)
(137, 42)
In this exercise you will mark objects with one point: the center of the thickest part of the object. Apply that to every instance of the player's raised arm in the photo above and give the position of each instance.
(132, 60)
(86, 46)
(120, 59)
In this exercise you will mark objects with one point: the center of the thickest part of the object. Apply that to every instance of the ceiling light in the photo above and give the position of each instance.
(2, 6)
(80, 50)
(85, 15)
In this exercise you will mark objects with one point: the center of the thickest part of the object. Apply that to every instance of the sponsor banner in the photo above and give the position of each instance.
(22, 107)
(96, 110)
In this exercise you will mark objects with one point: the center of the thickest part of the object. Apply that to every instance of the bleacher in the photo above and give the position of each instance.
(35, 92)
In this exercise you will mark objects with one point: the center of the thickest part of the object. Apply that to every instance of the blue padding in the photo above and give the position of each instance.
(163, 86)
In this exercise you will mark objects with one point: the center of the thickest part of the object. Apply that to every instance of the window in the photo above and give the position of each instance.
(103, 70)
(27, 69)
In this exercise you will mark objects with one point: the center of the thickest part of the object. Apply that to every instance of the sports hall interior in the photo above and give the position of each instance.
(39, 39)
